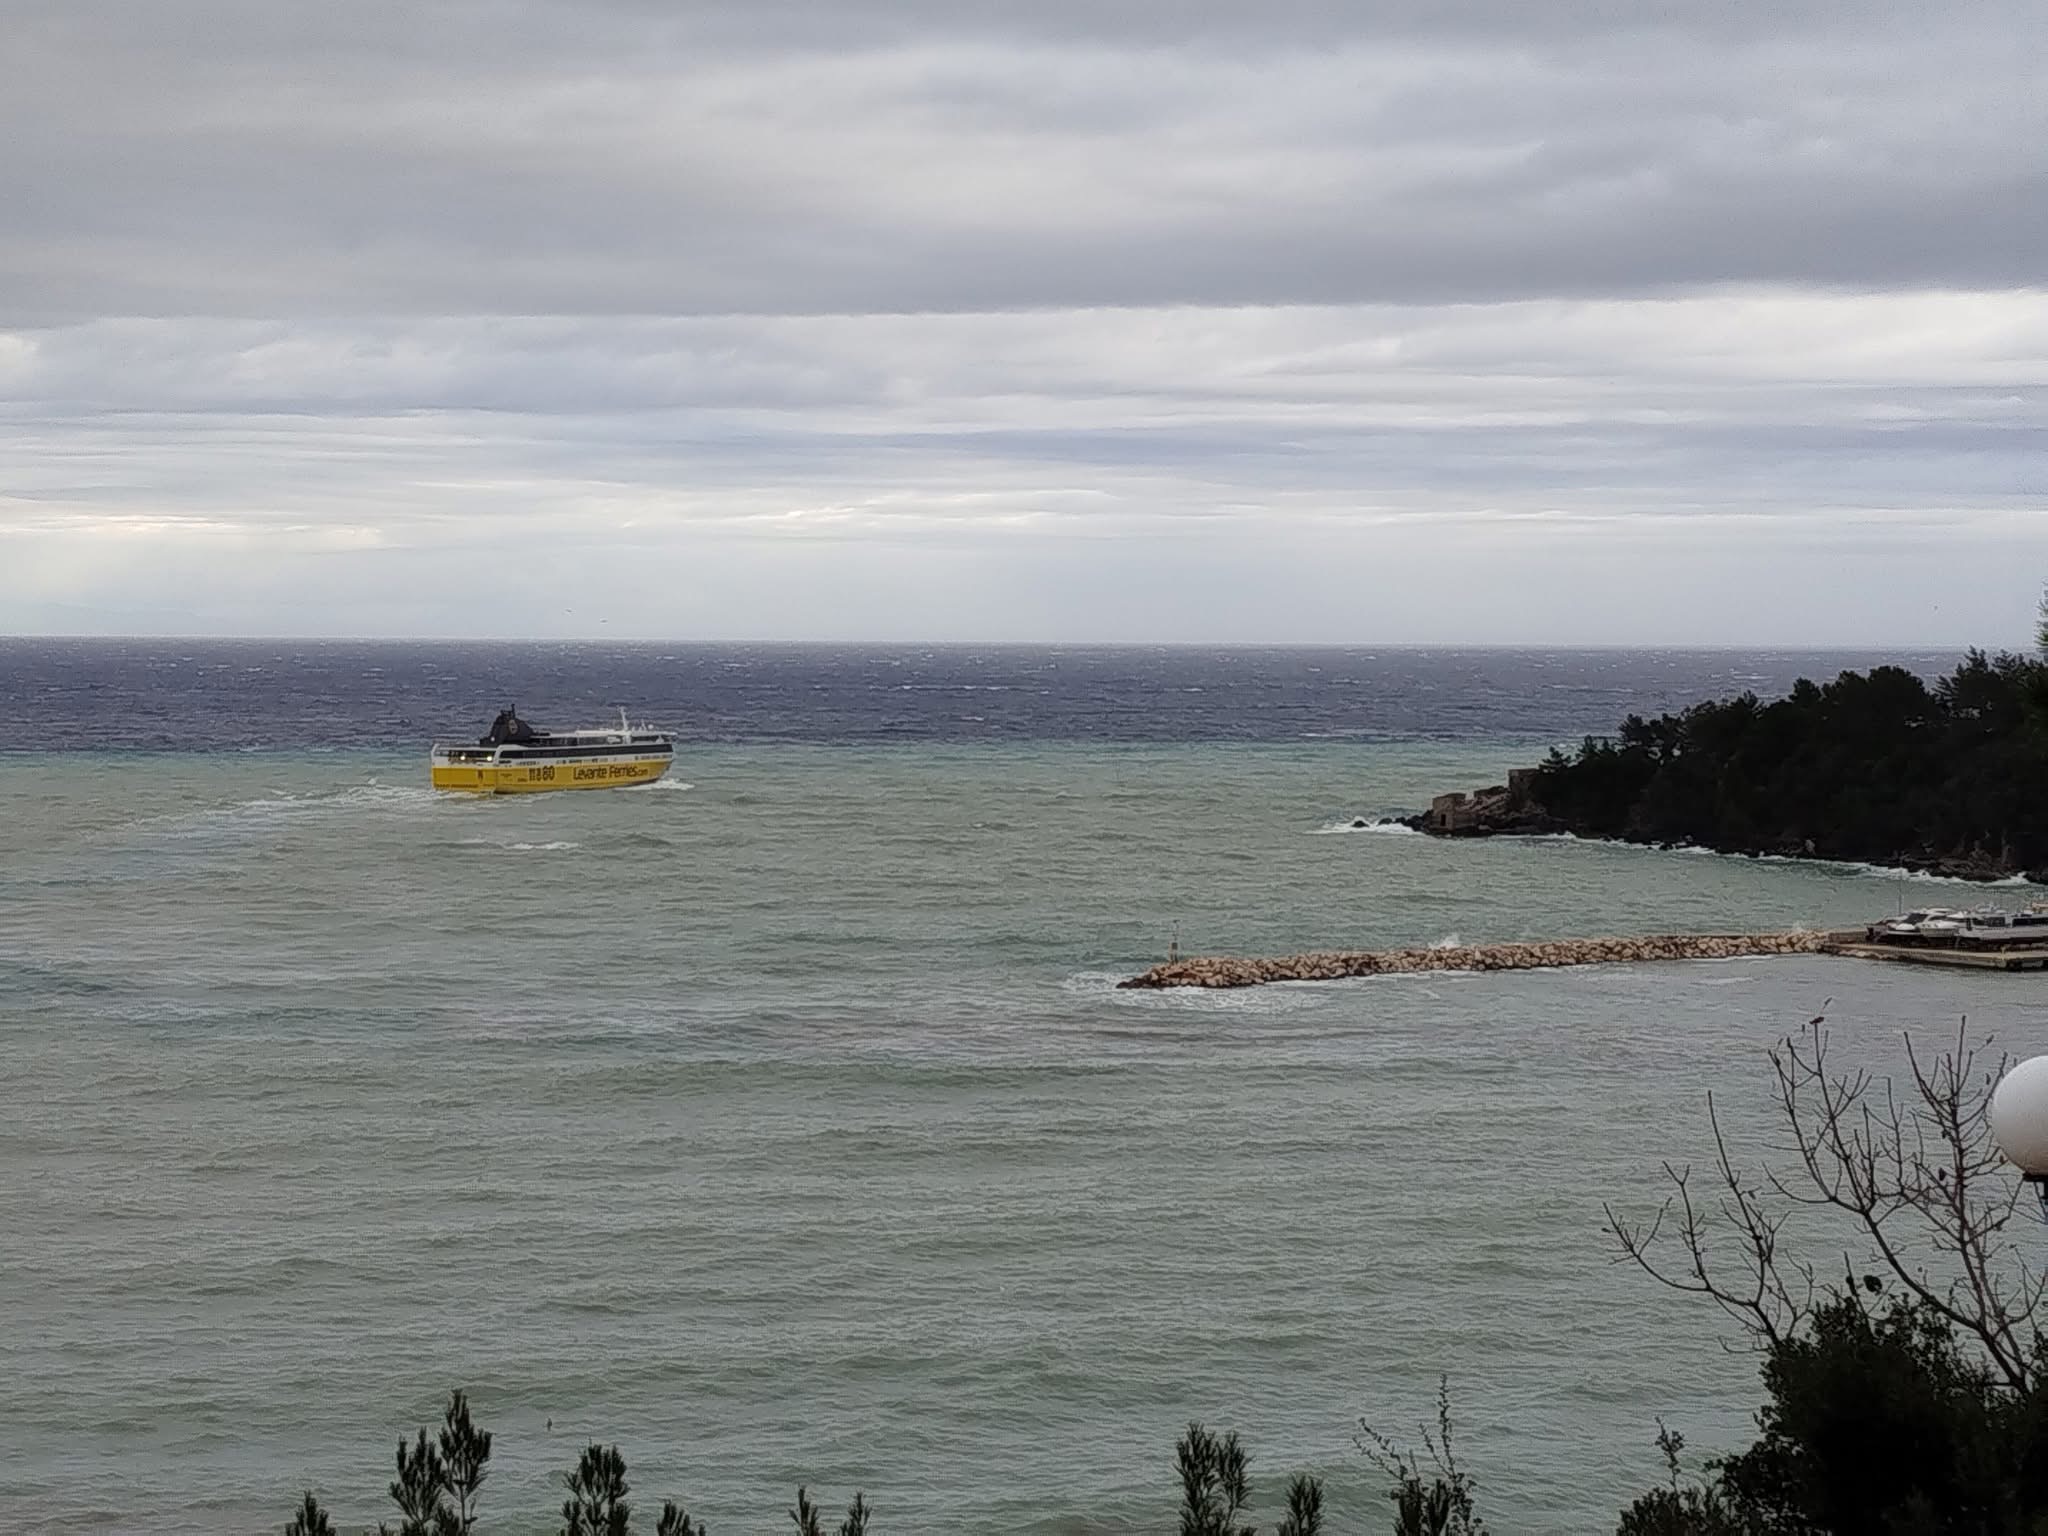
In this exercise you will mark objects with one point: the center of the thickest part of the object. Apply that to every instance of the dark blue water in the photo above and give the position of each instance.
(94, 695)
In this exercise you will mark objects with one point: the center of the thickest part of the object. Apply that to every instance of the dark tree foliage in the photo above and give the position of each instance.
(311, 1520)
(438, 1480)
(1215, 1484)
(1873, 766)
(1304, 1515)
(805, 1516)
(1439, 1502)
(418, 1489)
(465, 1459)
(810, 1521)
(856, 1521)
(1877, 1419)
(1684, 1506)
(597, 1505)
(1216, 1488)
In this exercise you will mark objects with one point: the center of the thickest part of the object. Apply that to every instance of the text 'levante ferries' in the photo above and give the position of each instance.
(516, 759)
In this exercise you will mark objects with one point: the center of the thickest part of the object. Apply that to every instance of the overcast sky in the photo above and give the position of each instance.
(1480, 321)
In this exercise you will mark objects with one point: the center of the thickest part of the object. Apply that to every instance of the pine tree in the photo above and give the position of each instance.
(1215, 1485)
(311, 1520)
(1304, 1508)
(418, 1490)
(597, 1505)
(465, 1457)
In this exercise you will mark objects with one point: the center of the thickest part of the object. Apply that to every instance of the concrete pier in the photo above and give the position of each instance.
(2012, 957)
(1334, 965)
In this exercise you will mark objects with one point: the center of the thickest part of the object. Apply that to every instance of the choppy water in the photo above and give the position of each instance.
(782, 1123)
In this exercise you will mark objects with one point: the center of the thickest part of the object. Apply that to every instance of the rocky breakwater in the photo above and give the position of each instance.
(1335, 965)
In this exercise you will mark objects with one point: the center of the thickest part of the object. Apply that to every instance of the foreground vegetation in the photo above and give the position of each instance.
(440, 1479)
(1875, 766)
(1907, 1397)
(1911, 1394)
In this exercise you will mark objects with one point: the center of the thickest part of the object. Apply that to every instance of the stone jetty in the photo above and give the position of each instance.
(1334, 965)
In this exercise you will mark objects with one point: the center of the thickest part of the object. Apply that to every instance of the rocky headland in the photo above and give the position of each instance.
(1874, 768)
(1513, 809)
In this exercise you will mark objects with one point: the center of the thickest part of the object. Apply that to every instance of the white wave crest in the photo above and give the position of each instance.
(1389, 826)
(1893, 872)
(1280, 998)
(1854, 867)
(286, 808)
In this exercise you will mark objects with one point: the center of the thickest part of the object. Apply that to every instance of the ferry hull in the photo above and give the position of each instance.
(536, 778)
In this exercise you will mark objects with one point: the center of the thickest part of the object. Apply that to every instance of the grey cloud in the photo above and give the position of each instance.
(1430, 320)
(1738, 406)
(265, 160)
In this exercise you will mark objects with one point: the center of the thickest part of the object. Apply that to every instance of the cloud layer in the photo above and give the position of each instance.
(1428, 322)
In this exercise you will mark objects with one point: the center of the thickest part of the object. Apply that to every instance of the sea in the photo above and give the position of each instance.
(782, 1122)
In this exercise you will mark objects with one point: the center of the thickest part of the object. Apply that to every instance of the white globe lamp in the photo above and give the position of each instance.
(2019, 1121)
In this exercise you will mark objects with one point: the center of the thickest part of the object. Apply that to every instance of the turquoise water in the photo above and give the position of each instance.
(783, 1124)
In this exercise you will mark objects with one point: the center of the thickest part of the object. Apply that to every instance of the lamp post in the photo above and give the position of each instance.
(2019, 1121)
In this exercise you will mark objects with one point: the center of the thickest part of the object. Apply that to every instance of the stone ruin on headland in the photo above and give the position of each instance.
(1509, 807)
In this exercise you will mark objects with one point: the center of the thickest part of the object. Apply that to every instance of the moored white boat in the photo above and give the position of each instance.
(1977, 928)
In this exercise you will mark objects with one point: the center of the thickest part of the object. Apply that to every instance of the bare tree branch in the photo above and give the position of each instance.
(1918, 1175)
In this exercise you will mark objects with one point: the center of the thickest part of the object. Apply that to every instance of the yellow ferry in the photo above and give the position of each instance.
(515, 758)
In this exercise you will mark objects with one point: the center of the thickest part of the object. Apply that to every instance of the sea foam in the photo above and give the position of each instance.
(1386, 825)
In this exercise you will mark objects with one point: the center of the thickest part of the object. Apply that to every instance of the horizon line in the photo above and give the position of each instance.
(1867, 647)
